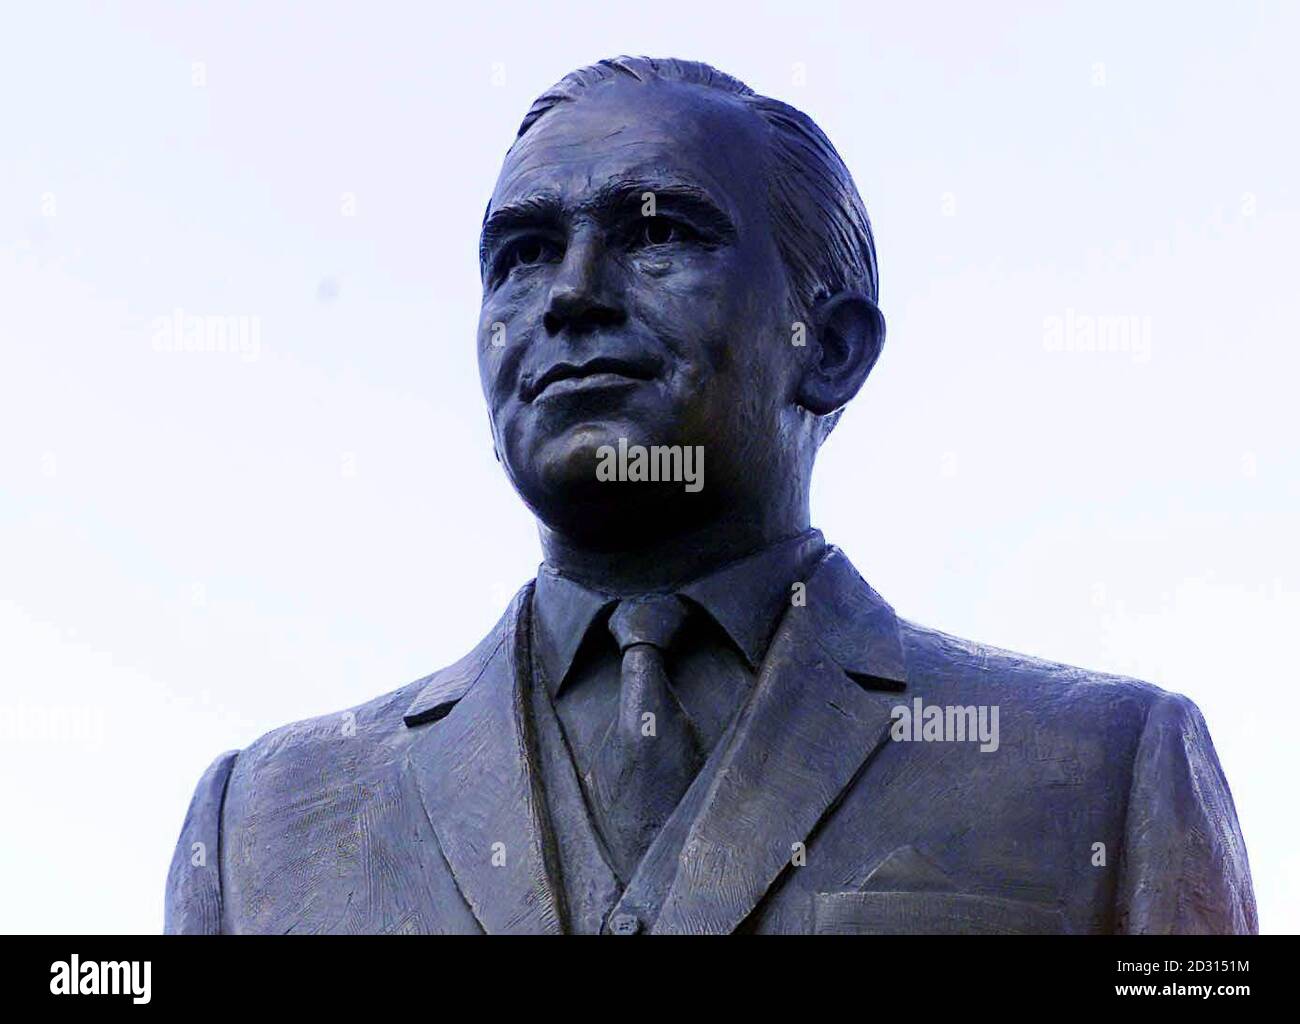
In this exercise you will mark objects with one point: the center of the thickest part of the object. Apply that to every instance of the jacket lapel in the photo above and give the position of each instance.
(821, 708)
(476, 774)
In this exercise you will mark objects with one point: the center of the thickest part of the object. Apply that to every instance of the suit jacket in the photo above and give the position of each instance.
(1103, 808)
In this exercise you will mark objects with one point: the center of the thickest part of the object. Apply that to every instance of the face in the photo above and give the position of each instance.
(633, 292)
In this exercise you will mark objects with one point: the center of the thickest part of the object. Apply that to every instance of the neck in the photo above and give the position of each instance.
(665, 562)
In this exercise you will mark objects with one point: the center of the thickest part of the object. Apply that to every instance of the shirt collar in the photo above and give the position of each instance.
(746, 598)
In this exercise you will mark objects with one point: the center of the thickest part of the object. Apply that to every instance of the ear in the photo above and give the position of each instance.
(849, 330)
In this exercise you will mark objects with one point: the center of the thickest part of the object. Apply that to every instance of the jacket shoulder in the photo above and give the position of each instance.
(192, 901)
(932, 654)
(367, 722)
(380, 724)
(1115, 705)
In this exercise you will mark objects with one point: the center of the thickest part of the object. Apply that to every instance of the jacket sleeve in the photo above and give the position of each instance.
(193, 901)
(1183, 866)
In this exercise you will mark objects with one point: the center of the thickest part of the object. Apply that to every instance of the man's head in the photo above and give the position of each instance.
(670, 260)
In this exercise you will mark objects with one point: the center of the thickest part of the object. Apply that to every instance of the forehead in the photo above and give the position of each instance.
(627, 131)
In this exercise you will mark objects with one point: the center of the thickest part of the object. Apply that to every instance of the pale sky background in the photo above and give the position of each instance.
(197, 547)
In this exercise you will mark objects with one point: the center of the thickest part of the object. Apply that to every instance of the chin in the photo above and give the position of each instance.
(570, 456)
(557, 476)
(568, 462)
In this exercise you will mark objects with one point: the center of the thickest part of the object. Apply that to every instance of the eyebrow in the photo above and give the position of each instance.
(547, 209)
(543, 208)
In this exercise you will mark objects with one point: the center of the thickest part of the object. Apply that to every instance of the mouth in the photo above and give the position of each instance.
(601, 372)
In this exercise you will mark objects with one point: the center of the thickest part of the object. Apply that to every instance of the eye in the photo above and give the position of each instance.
(531, 250)
(661, 231)
(528, 251)
(534, 250)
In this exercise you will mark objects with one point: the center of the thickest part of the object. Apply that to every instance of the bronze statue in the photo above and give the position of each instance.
(698, 717)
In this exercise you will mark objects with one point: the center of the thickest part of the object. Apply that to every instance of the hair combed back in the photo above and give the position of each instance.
(819, 218)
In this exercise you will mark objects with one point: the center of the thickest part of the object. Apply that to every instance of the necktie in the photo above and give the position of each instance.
(649, 754)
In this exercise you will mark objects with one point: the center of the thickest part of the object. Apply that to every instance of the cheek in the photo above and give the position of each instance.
(503, 333)
(498, 319)
(727, 327)
(489, 356)
(690, 307)
(745, 356)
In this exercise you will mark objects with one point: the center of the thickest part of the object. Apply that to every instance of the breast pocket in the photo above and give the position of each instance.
(932, 913)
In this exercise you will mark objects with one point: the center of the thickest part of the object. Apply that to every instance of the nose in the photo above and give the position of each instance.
(580, 298)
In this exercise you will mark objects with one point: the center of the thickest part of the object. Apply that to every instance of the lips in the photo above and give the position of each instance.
(600, 371)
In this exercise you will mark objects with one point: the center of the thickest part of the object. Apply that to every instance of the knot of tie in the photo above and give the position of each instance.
(652, 620)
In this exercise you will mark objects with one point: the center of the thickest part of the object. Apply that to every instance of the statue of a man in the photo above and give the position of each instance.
(698, 717)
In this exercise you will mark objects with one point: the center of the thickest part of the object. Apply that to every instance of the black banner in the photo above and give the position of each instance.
(662, 976)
